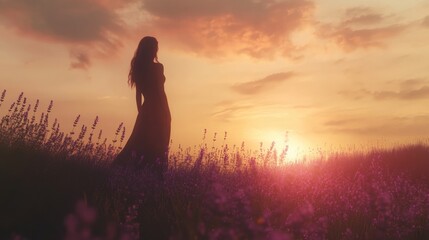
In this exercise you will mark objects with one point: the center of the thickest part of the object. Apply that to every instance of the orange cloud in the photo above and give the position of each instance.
(358, 30)
(362, 16)
(412, 83)
(62, 20)
(426, 22)
(257, 86)
(80, 60)
(355, 94)
(259, 29)
(351, 39)
(412, 89)
(418, 93)
(228, 112)
(92, 25)
(381, 126)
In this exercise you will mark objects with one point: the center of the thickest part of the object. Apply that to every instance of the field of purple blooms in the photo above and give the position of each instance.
(56, 185)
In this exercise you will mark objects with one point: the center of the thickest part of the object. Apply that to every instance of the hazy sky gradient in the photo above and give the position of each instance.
(329, 72)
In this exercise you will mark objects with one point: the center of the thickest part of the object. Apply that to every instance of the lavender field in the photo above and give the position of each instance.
(57, 185)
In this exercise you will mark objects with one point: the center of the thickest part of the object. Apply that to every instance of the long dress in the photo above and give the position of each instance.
(149, 140)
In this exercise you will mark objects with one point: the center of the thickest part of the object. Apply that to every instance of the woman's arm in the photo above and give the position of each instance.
(138, 99)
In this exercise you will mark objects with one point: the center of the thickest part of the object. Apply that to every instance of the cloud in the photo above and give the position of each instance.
(232, 112)
(418, 93)
(412, 83)
(340, 122)
(260, 29)
(361, 28)
(80, 60)
(90, 24)
(355, 94)
(258, 86)
(364, 122)
(61, 20)
(247, 109)
(351, 39)
(425, 22)
(390, 126)
(411, 89)
(363, 16)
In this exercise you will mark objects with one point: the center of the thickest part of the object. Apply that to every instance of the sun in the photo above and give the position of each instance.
(295, 145)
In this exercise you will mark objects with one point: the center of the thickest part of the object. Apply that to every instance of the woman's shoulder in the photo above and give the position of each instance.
(154, 68)
(159, 66)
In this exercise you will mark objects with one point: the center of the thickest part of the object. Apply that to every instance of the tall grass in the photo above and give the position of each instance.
(57, 185)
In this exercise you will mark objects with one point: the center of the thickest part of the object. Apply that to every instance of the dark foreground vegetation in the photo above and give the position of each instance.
(56, 185)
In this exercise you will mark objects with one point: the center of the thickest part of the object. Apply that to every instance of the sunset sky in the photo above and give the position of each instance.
(329, 72)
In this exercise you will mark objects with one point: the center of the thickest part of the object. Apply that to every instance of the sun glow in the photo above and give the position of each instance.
(282, 140)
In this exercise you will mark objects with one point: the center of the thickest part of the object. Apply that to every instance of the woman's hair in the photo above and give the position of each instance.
(145, 53)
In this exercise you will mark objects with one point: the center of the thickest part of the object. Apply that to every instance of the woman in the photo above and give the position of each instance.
(148, 143)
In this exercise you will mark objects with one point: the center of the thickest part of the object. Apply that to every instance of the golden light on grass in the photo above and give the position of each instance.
(281, 139)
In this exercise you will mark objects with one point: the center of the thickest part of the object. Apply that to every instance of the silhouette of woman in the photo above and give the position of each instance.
(148, 143)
